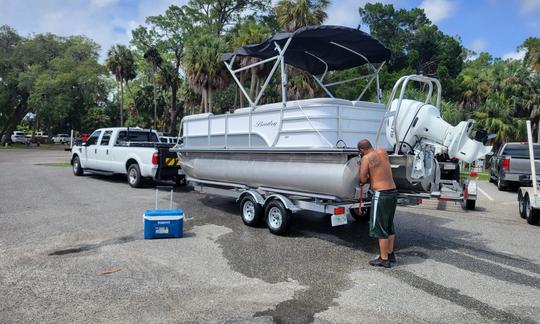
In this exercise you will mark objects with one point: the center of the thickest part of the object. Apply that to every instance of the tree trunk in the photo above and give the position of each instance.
(253, 84)
(174, 109)
(242, 80)
(210, 99)
(121, 104)
(20, 111)
(155, 103)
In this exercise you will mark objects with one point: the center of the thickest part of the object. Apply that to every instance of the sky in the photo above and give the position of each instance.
(494, 26)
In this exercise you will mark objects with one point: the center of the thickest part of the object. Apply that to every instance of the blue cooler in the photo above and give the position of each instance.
(163, 223)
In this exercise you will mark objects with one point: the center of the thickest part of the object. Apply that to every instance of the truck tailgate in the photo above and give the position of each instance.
(523, 165)
(168, 164)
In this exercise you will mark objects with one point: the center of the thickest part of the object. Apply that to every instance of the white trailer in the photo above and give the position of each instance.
(528, 198)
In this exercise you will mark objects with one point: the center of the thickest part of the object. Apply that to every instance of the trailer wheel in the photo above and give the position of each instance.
(533, 215)
(277, 217)
(521, 205)
(77, 169)
(251, 212)
(470, 204)
(362, 217)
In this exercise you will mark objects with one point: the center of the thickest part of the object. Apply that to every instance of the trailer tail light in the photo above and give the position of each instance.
(339, 210)
(473, 174)
(155, 158)
(506, 164)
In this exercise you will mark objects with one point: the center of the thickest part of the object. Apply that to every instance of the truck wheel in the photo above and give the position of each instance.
(77, 169)
(277, 217)
(134, 176)
(470, 204)
(533, 215)
(521, 205)
(252, 213)
(360, 217)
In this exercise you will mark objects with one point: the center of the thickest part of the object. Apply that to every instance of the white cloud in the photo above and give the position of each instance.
(529, 5)
(438, 10)
(515, 55)
(107, 22)
(479, 45)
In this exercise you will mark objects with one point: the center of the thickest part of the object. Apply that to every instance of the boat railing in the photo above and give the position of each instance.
(402, 83)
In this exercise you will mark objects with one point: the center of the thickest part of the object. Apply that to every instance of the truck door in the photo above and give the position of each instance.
(90, 150)
(103, 160)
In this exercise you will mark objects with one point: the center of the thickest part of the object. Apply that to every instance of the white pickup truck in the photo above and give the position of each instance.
(135, 152)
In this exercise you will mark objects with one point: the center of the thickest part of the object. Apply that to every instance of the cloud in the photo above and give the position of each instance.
(527, 6)
(438, 10)
(515, 55)
(479, 45)
(107, 22)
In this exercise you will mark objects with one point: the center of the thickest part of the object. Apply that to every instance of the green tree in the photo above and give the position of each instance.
(121, 64)
(95, 118)
(293, 14)
(153, 57)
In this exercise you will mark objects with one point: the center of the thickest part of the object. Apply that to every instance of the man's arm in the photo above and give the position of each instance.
(364, 170)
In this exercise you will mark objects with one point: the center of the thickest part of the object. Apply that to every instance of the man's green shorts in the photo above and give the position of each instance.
(381, 217)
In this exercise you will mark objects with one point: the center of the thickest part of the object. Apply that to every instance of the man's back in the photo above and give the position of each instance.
(380, 172)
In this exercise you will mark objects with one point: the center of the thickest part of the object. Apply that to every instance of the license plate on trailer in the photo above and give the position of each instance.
(338, 220)
(181, 172)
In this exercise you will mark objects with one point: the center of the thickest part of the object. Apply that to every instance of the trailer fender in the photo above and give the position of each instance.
(471, 189)
(257, 196)
(286, 201)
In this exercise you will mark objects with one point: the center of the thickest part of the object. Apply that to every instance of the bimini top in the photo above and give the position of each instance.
(317, 49)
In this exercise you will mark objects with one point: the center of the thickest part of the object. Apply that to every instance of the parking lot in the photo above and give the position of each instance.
(72, 250)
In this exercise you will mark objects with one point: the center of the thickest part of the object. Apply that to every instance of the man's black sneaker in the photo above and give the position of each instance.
(380, 263)
(392, 257)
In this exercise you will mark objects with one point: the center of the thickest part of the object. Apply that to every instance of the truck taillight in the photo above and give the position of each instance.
(155, 158)
(506, 164)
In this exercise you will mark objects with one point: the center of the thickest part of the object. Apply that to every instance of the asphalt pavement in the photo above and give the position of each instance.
(72, 250)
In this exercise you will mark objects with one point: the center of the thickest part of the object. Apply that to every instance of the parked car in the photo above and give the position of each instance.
(19, 137)
(61, 139)
(135, 152)
(511, 165)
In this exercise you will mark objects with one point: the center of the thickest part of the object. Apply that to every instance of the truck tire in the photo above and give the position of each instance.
(77, 169)
(470, 204)
(134, 176)
(521, 206)
(251, 212)
(533, 215)
(361, 218)
(277, 217)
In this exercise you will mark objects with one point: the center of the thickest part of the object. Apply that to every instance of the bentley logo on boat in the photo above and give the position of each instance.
(270, 123)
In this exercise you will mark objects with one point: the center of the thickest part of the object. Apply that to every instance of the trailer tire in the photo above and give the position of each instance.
(533, 215)
(134, 176)
(470, 204)
(361, 218)
(251, 212)
(521, 206)
(77, 169)
(277, 217)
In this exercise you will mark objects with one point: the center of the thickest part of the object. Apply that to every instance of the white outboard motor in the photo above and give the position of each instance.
(420, 124)
(416, 129)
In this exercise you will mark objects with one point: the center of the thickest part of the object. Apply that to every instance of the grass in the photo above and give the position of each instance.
(19, 146)
(482, 176)
(56, 164)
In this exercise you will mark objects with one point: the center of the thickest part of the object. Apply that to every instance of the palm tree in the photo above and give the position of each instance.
(122, 65)
(250, 32)
(204, 70)
(153, 57)
(293, 14)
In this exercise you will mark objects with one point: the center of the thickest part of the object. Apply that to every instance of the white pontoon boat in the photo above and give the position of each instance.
(309, 146)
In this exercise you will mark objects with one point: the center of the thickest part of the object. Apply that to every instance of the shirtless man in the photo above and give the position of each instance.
(375, 168)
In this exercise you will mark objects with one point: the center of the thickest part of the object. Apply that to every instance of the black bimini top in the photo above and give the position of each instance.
(311, 44)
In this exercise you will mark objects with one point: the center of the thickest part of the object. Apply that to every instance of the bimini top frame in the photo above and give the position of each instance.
(316, 50)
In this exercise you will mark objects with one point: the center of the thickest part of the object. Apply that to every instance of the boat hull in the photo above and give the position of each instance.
(332, 173)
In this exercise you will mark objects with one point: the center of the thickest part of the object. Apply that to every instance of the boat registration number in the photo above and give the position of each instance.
(339, 220)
